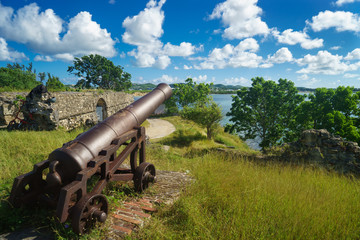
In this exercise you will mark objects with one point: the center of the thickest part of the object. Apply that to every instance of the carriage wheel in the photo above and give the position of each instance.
(144, 174)
(88, 211)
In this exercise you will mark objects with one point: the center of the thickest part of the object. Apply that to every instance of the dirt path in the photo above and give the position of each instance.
(159, 128)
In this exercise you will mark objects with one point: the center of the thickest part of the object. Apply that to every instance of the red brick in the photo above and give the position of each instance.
(146, 204)
(149, 209)
(124, 210)
(128, 219)
(122, 229)
(133, 207)
(141, 214)
(131, 204)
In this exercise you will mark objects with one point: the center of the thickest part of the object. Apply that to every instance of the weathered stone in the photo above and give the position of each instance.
(315, 154)
(68, 110)
(321, 147)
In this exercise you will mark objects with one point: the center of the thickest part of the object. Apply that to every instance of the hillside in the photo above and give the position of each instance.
(232, 196)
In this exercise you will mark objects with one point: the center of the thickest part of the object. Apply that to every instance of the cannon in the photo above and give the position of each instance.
(72, 178)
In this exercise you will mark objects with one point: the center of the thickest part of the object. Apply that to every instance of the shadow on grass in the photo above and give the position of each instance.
(40, 222)
(182, 138)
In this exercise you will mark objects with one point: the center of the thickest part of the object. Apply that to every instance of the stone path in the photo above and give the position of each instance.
(132, 215)
(159, 128)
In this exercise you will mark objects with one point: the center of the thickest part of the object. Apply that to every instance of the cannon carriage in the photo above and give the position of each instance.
(72, 178)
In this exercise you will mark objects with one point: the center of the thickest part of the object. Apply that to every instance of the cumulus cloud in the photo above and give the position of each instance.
(242, 55)
(354, 55)
(291, 37)
(342, 2)
(340, 20)
(8, 55)
(144, 31)
(237, 81)
(42, 31)
(281, 56)
(200, 78)
(166, 79)
(325, 63)
(240, 18)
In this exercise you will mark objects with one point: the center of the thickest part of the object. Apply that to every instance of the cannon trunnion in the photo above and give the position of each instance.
(73, 177)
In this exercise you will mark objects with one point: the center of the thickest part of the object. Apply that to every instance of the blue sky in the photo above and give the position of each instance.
(313, 43)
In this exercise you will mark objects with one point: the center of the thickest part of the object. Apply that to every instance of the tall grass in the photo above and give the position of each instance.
(229, 199)
(245, 200)
(20, 150)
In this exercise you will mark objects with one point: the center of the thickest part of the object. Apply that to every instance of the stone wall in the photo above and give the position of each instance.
(325, 149)
(64, 109)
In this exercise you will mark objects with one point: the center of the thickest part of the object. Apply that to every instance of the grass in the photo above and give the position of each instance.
(245, 200)
(229, 199)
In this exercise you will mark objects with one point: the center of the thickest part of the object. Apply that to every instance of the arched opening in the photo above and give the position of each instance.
(101, 110)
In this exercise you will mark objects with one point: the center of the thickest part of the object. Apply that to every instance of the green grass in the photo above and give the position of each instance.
(20, 150)
(231, 198)
(245, 200)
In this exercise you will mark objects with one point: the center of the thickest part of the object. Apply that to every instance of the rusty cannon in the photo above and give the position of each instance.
(71, 180)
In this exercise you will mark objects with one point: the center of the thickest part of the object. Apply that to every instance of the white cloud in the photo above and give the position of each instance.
(335, 48)
(186, 67)
(241, 55)
(281, 56)
(185, 49)
(41, 31)
(146, 27)
(8, 55)
(237, 81)
(144, 30)
(40, 58)
(351, 75)
(162, 62)
(166, 79)
(241, 19)
(340, 20)
(342, 2)
(303, 77)
(325, 63)
(294, 37)
(354, 55)
(112, 1)
(200, 78)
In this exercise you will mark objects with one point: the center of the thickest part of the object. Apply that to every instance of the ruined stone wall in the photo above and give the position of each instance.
(65, 109)
(323, 148)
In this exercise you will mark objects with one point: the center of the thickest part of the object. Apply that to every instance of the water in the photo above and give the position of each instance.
(224, 101)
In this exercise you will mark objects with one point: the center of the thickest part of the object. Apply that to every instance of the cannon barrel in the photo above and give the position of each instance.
(73, 157)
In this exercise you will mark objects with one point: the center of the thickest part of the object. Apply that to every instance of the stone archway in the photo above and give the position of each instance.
(101, 112)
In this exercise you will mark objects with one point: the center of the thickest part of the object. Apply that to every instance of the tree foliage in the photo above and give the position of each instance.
(196, 104)
(277, 113)
(334, 110)
(266, 109)
(206, 114)
(187, 93)
(98, 71)
(17, 77)
(54, 83)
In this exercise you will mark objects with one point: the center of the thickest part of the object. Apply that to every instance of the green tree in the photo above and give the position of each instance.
(266, 109)
(54, 83)
(17, 77)
(42, 76)
(98, 71)
(206, 114)
(187, 93)
(334, 110)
